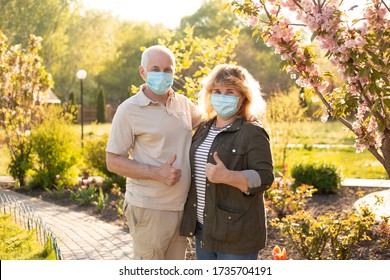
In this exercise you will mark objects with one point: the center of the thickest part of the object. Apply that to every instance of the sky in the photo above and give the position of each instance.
(168, 12)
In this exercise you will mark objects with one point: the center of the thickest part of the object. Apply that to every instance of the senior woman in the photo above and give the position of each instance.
(232, 166)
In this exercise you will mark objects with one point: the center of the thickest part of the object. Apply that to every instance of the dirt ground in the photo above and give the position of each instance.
(318, 205)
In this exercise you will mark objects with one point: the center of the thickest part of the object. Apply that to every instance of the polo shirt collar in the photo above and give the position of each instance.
(143, 100)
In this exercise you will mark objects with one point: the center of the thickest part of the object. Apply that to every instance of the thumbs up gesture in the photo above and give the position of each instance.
(216, 172)
(167, 173)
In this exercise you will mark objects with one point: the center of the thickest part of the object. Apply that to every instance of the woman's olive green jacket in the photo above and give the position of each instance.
(234, 222)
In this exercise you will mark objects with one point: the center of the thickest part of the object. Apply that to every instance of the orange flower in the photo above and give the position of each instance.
(278, 254)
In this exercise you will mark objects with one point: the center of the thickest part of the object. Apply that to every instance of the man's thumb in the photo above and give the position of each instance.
(171, 160)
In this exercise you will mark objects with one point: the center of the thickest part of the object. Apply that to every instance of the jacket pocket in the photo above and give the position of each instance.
(233, 156)
(226, 225)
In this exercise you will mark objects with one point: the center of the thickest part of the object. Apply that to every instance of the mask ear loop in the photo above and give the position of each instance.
(239, 108)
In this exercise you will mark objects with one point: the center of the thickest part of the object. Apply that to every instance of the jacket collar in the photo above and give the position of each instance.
(236, 125)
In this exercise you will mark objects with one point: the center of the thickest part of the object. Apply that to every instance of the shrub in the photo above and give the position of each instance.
(17, 243)
(24, 82)
(284, 199)
(85, 195)
(324, 177)
(95, 157)
(95, 154)
(55, 145)
(102, 199)
(384, 232)
(72, 108)
(334, 232)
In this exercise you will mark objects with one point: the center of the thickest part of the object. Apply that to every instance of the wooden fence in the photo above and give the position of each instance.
(90, 114)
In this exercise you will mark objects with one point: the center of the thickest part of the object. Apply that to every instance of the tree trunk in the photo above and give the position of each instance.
(386, 152)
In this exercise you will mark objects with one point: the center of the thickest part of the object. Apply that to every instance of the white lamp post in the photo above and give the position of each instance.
(81, 75)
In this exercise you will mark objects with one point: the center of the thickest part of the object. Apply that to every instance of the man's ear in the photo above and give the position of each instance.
(142, 73)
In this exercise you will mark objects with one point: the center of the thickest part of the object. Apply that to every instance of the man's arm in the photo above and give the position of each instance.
(124, 166)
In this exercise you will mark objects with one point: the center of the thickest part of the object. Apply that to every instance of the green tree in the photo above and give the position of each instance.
(122, 70)
(71, 107)
(209, 19)
(283, 113)
(91, 45)
(23, 83)
(57, 151)
(48, 19)
(101, 107)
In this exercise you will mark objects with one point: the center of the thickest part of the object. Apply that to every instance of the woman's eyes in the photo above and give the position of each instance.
(227, 93)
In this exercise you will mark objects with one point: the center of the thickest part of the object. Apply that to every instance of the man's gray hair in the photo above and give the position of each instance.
(145, 54)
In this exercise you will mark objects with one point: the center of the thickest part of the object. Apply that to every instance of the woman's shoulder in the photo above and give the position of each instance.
(255, 127)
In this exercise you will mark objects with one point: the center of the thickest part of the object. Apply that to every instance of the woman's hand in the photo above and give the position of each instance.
(216, 172)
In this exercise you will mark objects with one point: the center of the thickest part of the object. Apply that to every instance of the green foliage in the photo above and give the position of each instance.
(118, 203)
(20, 244)
(85, 195)
(101, 107)
(121, 71)
(324, 177)
(23, 84)
(72, 108)
(102, 199)
(209, 19)
(95, 154)
(56, 147)
(21, 162)
(284, 200)
(119, 207)
(384, 232)
(113, 180)
(284, 112)
(333, 232)
(349, 163)
(95, 157)
(196, 57)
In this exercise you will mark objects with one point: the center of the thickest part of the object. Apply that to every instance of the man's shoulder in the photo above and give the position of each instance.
(181, 98)
(131, 101)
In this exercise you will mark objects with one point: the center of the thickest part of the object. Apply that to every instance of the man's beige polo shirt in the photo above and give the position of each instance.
(151, 133)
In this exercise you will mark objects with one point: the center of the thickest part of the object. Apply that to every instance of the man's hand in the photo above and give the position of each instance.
(167, 173)
(216, 173)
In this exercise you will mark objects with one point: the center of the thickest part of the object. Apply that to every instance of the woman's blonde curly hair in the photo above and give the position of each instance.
(241, 80)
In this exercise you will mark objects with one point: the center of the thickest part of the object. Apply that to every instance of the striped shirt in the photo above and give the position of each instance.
(200, 161)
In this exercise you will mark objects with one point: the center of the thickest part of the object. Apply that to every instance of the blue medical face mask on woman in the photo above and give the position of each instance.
(224, 105)
(159, 82)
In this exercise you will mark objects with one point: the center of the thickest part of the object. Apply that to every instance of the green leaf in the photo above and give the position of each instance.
(386, 101)
(314, 35)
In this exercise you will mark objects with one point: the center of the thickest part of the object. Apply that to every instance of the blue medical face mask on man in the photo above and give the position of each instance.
(159, 82)
(224, 105)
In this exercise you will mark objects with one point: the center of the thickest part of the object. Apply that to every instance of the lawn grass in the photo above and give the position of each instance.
(20, 244)
(350, 164)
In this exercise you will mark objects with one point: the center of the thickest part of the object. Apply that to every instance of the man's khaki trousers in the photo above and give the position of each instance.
(155, 233)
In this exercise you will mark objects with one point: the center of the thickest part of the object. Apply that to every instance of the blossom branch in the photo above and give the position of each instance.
(384, 4)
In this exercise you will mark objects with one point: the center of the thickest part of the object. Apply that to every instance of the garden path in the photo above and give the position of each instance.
(80, 236)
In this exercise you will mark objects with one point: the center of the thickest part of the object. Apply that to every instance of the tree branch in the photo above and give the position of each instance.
(387, 7)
